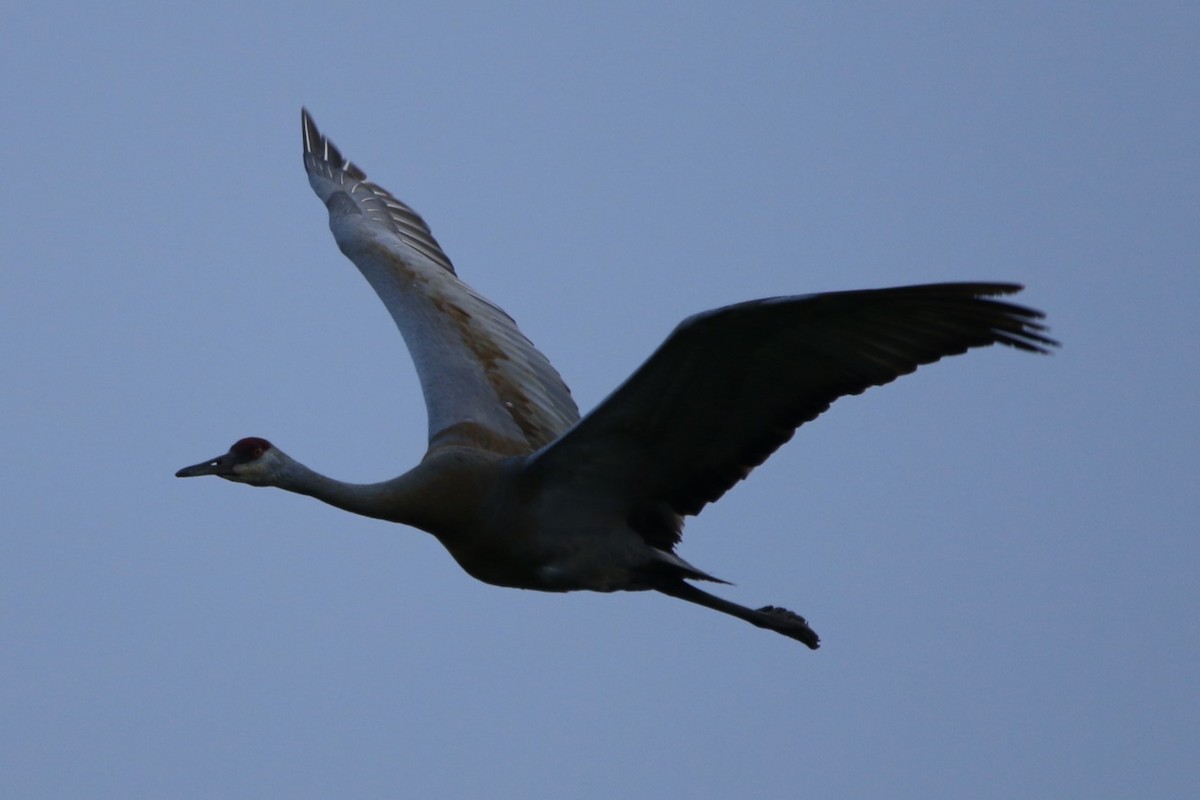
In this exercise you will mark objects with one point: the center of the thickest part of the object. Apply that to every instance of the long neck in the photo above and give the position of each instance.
(452, 493)
(398, 500)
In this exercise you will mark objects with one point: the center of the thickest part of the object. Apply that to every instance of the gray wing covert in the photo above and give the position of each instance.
(485, 384)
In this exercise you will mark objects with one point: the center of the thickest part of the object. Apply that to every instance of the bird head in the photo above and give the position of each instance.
(251, 460)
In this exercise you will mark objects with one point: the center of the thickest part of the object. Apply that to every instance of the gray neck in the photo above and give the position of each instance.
(396, 500)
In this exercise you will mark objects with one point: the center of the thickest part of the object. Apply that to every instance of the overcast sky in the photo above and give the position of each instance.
(1000, 553)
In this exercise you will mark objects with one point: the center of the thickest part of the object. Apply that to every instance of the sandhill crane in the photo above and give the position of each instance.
(523, 492)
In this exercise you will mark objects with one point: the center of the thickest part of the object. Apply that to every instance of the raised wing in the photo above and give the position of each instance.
(729, 386)
(485, 384)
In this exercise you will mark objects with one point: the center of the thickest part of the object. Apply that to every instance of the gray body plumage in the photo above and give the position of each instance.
(523, 492)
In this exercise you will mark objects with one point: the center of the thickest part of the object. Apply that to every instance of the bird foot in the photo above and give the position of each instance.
(790, 624)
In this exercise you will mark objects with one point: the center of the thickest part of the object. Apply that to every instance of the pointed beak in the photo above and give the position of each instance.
(214, 466)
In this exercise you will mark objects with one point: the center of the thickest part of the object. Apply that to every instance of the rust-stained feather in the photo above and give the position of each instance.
(485, 384)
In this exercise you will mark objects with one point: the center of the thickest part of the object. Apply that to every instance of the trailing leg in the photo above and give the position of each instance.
(772, 618)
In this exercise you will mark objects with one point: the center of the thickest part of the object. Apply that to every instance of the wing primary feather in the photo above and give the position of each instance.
(485, 385)
(728, 387)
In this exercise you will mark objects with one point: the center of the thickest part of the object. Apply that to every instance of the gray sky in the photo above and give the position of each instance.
(1000, 552)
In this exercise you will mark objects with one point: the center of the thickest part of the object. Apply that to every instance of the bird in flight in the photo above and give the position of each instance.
(525, 493)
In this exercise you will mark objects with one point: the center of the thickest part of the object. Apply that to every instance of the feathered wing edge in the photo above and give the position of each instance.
(728, 387)
(485, 384)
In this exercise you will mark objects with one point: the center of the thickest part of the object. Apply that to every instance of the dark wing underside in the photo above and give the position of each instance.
(729, 386)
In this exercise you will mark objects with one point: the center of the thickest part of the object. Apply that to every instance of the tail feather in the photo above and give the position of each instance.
(683, 569)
